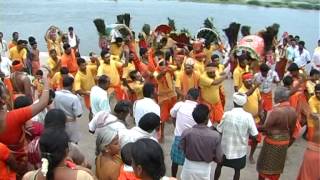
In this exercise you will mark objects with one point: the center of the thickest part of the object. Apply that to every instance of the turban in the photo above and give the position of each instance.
(101, 119)
(104, 138)
(239, 98)
(189, 61)
(247, 76)
(17, 67)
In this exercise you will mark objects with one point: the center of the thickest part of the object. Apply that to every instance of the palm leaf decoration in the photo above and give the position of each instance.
(124, 19)
(208, 23)
(186, 31)
(269, 35)
(245, 30)
(146, 29)
(172, 24)
(101, 27)
(232, 33)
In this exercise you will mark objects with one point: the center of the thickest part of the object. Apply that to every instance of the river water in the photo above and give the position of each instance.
(33, 17)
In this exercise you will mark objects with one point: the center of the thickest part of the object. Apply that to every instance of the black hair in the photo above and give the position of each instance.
(52, 50)
(91, 53)
(149, 155)
(14, 33)
(287, 81)
(80, 61)
(31, 40)
(39, 72)
(64, 70)
(210, 65)
(317, 87)
(15, 62)
(296, 37)
(149, 122)
(103, 79)
(132, 74)
(314, 72)
(119, 40)
(264, 67)
(122, 107)
(77, 54)
(148, 90)
(22, 42)
(126, 156)
(55, 118)
(200, 113)
(302, 43)
(293, 67)
(67, 81)
(66, 46)
(22, 101)
(53, 146)
(214, 56)
(194, 93)
(70, 28)
(103, 53)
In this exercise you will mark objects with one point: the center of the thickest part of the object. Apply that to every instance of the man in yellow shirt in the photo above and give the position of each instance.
(237, 73)
(56, 80)
(54, 62)
(134, 84)
(93, 64)
(110, 69)
(311, 83)
(314, 104)
(83, 82)
(252, 106)
(209, 85)
(187, 79)
(167, 96)
(19, 52)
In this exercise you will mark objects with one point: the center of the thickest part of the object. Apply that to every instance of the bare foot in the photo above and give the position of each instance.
(251, 160)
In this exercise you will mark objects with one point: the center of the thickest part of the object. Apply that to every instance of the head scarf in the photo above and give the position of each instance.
(104, 138)
(101, 119)
(247, 76)
(239, 98)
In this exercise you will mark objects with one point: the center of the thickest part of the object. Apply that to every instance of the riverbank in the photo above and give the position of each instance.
(294, 4)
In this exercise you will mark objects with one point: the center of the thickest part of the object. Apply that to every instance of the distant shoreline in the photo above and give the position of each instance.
(292, 4)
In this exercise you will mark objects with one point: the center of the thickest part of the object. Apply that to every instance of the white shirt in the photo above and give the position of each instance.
(72, 40)
(132, 135)
(99, 100)
(5, 66)
(182, 111)
(316, 60)
(301, 59)
(144, 106)
(290, 52)
(235, 126)
(266, 82)
(69, 103)
(3, 48)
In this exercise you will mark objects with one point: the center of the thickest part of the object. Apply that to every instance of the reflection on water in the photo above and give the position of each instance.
(33, 17)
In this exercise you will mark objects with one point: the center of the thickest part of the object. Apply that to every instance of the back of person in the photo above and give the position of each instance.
(64, 173)
(281, 119)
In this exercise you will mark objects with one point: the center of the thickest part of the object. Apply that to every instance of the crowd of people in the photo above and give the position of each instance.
(154, 81)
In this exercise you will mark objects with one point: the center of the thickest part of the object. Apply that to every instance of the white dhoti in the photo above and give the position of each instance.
(193, 170)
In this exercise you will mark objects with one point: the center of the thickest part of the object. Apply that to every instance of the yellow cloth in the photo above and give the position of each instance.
(115, 49)
(166, 89)
(14, 54)
(310, 86)
(209, 93)
(209, 52)
(111, 71)
(137, 87)
(52, 64)
(199, 67)
(192, 81)
(314, 104)
(127, 70)
(55, 45)
(93, 67)
(237, 75)
(84, 81)
(56, 80)
(252, 105)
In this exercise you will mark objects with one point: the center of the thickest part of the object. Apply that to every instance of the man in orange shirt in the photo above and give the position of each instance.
(83, 82)
(68, 59)
(167, 96)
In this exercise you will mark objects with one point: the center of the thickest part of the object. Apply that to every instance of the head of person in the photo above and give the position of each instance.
(55, 118)
(82, 64)
(281, 94)
(122, 109)
(285, 41)
(53, 53)
(215, 59)
(247, 79)
(264, 69)
(21, 44)
(39, 74)
(293, 69)
(93, 57)
(31, 39)
(193, 94)
(1, 35)
(70, 30)
(200, 114)
(211, 70)
(105, 56)
(67, 48)
(315, 74)
(54, 150)
(301, 45)
(149, 122)
(77, 54)
(22, 101)
(119, 41)
(64, 71)
(135, 75)
(242, 59)
(15, 36)
(297, 38)
(104, 82)
(287, 81)
(148, 159)
(197, 45)
(126, 155)
(293, 42)
(239, 99)
(67, 82)
(107, 142)
(317, 91)
(188, 66)
(148, 90)
(17, 66)
(158, 55)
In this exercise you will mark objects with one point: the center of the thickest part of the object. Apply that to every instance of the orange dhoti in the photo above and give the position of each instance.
(311, 163)
(120, 93)
(216, 111)
(165, 107)
(266, 101)
(86, 99)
